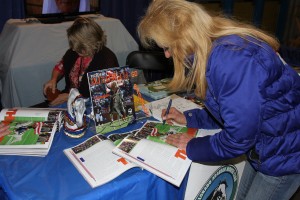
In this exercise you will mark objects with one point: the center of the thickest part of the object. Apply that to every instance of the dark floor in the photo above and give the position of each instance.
(296, 196)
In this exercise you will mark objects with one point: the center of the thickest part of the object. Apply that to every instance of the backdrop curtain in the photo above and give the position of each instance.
(127, 11)
(11, 9)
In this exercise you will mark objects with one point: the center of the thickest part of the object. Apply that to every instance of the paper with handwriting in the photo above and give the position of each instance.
(178, 102)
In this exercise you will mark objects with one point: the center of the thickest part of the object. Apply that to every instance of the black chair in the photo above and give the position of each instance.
(154, 64)
(0, 102)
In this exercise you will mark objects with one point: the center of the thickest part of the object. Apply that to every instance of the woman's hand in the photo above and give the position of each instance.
(61, 98)
(173, 116)
(51, 84)
(4, 129)
(179, 140)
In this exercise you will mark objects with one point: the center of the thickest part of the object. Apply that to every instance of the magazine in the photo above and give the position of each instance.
(166, 161)
(31, 130)
(156, 89)
(147, 148)
(31, 114)
(94, 159)
(112, 98)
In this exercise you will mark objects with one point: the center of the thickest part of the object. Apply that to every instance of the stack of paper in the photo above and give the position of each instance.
(31, 131)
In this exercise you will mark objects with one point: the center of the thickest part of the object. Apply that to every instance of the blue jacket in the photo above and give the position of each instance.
(254, 97)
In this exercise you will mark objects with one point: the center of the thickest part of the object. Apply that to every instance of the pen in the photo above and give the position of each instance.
(168, 110)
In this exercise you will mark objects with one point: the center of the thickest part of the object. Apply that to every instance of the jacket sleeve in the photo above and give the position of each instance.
(200, 118)
(233, 77)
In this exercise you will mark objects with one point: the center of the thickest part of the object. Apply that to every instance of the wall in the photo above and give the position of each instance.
(248, 11)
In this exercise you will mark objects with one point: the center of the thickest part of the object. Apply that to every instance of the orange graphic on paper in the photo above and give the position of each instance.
(123, 161)
(10, 115)
(180, 154)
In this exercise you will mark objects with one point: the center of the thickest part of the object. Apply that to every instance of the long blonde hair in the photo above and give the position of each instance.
(186, 28)
(85, 36)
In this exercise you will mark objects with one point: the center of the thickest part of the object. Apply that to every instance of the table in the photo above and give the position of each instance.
(29, 51)
(54, 177)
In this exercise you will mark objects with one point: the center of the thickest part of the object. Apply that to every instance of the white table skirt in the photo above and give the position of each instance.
(28, 53)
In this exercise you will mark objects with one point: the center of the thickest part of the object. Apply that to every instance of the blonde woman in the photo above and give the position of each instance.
(87, 53)
(250, 93)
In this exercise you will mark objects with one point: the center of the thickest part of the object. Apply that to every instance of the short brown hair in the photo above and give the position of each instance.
(86, 36)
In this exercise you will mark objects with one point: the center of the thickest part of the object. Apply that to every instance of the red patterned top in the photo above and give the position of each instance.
(77, 71)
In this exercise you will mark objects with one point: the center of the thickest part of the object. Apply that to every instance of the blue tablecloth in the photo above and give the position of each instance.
(54, 177)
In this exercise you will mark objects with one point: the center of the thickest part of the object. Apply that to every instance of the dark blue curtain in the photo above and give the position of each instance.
(127, 11)
(11, 9)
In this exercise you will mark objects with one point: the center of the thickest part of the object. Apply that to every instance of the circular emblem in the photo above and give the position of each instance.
(221, 185)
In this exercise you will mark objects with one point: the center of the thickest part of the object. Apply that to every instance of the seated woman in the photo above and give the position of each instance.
(87, 53)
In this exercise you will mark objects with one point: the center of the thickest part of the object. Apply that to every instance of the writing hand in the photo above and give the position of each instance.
(174, 116)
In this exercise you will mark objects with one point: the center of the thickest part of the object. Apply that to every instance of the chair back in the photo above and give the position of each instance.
(0, 102)
(154, 64)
